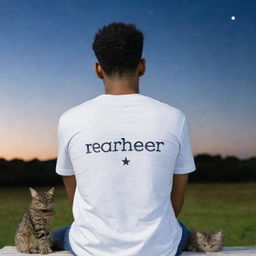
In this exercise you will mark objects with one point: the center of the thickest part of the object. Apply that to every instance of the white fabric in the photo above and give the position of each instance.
(123, 208)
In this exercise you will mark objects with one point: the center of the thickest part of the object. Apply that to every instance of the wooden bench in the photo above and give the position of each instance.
(230, 251)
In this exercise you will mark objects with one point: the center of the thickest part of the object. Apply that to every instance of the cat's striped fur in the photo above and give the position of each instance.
(32, 234)
(200, 241)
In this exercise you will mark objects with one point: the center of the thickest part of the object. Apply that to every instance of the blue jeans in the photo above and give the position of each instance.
(60, 239)
(184, 238)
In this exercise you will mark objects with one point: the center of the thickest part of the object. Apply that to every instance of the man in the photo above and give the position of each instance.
(125, 160)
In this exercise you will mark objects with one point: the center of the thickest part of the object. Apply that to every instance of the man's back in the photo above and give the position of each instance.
(123, 151)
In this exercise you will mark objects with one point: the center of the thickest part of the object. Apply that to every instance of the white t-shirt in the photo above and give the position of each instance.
(123, 151)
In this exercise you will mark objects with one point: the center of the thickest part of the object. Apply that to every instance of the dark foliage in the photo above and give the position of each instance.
(229, 169)
(28, 173)
(210, 168)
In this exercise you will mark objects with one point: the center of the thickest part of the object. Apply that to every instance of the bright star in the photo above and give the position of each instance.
(233, 17)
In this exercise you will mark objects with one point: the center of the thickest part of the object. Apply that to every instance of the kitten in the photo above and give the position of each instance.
(32, 234)
(205, 241)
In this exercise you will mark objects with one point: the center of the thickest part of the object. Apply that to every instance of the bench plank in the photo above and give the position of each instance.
(230, 251)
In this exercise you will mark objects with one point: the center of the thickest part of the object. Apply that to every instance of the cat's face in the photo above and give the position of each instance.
(42, 200)
(209, 241)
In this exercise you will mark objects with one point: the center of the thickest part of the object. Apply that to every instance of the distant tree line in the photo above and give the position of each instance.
(214, 168)
(210, 168)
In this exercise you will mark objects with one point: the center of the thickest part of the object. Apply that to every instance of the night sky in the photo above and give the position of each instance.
(198, 59)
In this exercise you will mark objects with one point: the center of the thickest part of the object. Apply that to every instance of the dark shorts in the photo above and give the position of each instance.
(183, 240)
(60, 237)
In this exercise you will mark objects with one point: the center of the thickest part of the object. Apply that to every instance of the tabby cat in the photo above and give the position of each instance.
(200, 241)
(32, 234)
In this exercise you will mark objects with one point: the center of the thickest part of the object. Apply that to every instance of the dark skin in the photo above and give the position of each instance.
(127, 84)
(70, 186)
(177, 196)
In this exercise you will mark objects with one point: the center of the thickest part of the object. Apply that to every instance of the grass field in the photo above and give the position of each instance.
(207, 207)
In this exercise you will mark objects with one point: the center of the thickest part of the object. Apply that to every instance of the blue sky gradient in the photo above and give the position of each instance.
(198, 59)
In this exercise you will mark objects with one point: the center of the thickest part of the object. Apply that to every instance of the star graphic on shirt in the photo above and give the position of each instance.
(125, 161)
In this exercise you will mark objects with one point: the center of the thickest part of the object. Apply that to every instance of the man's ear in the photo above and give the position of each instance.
(98, 70)
(95, 67)
(142, 67)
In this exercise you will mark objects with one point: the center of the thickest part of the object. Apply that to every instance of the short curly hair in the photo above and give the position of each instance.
(118, 47)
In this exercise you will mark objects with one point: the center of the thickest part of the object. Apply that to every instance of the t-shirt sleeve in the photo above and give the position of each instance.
(63, 165)
(185, 160)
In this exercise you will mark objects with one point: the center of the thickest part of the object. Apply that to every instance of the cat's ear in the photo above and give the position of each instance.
(33, 192)
(51, 191)
(219, 233)
(199, 234)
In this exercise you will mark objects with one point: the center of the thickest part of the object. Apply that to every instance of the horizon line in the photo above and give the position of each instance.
(195, 155)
